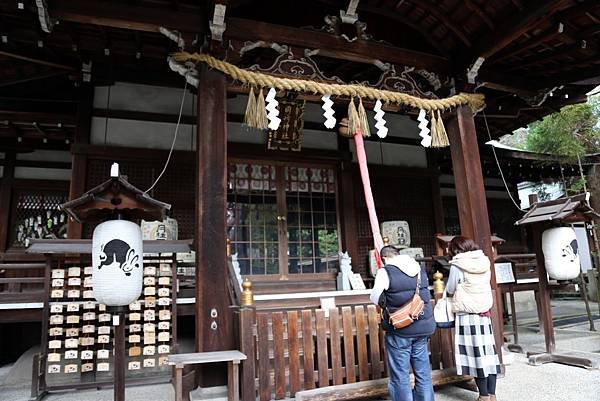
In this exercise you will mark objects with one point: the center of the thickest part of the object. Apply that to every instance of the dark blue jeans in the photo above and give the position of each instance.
(404, 353)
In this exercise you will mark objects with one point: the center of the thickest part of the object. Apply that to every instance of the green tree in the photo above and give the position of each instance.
(572, 132)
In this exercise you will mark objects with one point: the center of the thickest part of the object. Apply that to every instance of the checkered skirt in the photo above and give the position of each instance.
(474, 346)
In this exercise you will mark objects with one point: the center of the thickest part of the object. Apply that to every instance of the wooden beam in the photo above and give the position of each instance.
(553, 55)
(443, 16)
(471, 199)
(333, 46)
(35, 77)
(550, 34)
(129, 15)
(476, 8)
(212, 333)
(144, 116)
(39, 117)
(394, 16)
(508, 88)
(35, 60)
(372, 389)
(533, 14)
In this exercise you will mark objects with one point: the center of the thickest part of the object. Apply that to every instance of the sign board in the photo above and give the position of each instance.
(356, 282)
(326, 304)
(504, 273)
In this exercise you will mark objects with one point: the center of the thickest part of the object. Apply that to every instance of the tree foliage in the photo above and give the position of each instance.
(572, 132)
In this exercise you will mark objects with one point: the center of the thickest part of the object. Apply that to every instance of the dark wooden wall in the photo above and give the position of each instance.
(176, 187)
(502, 214)
(399, 194)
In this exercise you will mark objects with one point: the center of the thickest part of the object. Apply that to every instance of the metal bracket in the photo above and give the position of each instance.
(217, 25)
(474, 70)
(350, 16)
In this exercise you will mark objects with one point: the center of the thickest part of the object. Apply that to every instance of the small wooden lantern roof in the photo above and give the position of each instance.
(444, 240)
(114, 196)
(565, 210)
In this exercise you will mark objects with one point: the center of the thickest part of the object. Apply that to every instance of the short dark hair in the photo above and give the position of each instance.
(389, 251)
(460, 244)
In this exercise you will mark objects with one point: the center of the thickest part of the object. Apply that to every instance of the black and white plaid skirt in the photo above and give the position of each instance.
(474, 346)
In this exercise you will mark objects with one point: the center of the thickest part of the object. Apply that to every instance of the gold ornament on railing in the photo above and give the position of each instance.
(247, 293)
(438, 283)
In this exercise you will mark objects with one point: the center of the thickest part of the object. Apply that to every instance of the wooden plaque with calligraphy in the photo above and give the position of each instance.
(289, 134)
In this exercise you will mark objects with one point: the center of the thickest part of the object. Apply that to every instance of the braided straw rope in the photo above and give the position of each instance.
(474, 100)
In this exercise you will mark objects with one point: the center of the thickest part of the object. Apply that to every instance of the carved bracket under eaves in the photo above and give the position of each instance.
(299, 63)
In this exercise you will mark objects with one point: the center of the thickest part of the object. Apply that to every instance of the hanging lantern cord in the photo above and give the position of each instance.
(174, 140)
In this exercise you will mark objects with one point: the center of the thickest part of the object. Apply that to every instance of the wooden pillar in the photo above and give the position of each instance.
(6, 184)
(347, 207)
(119, 372)
(472, 204)
(544, 305)
(79, 161)
(212, 332)
(436, 197)
(346, 200)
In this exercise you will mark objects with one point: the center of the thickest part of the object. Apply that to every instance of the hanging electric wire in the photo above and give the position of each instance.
(498, 164)
(174, 140)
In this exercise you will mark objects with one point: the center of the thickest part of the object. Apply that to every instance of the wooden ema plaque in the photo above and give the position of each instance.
(79, 337)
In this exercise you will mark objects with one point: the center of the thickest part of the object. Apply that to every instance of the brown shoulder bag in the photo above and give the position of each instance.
(410, 311)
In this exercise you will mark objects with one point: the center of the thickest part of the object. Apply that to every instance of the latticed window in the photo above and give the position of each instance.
(36, 215)
(282, 219)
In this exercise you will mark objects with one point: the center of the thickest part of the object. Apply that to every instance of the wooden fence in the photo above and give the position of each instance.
(294, 350)
(22, 281)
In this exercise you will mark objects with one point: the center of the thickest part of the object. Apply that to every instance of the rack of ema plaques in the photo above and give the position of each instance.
(78, 333)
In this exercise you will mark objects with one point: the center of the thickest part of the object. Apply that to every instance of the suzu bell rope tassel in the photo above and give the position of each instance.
(438, 132)
(262, 122)
(442, 131)
(433, 127)
(353, 123)
(251, 112)
(363, 121)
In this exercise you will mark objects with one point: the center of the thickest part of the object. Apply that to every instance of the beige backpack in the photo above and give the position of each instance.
(473, 293)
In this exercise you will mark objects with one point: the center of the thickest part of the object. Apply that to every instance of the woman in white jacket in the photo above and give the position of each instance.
(474, 344)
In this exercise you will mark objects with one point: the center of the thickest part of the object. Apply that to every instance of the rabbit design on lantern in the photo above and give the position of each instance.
(570, 251)
(119, 251)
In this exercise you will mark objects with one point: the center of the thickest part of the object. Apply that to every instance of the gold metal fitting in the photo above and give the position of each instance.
(247, 293)
(438, 283)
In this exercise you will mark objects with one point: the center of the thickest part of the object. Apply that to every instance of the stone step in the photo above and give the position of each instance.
(218, 393)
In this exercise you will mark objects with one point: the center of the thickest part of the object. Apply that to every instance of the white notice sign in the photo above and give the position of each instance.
(504, 273)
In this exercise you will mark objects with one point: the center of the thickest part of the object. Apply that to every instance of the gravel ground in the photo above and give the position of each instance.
(157, 392)
(523, 382)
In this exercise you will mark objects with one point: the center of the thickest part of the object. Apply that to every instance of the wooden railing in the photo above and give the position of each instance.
(22, 281)
(290, 351)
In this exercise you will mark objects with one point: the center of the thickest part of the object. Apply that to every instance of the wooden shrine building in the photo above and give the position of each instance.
(84, 84)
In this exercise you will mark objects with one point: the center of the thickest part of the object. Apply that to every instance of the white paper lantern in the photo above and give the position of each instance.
(561, 253)
(117, 258)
